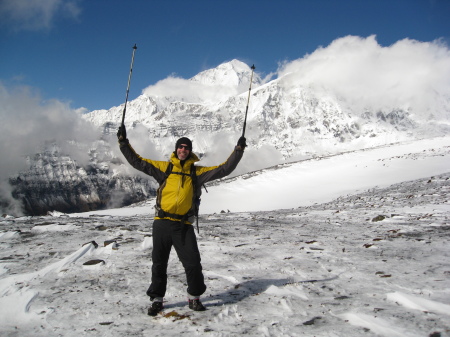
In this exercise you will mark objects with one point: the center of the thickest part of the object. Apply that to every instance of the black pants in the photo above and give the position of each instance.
(167, 233)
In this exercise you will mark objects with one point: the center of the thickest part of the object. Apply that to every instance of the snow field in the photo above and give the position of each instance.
(373, 263)
(323, 270)
(326, 178)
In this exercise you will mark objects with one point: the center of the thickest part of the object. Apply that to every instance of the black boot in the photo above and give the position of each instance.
(196, 305)
(155, 308)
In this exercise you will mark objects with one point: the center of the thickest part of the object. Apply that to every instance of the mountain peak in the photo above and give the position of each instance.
(235, 65)
(233, 73)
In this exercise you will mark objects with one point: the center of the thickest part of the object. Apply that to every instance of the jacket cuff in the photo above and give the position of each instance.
(124, 142)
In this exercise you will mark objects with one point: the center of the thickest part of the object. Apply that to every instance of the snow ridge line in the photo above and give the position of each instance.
(16, 294)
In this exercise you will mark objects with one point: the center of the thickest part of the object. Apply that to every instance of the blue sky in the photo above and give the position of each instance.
(79, 52)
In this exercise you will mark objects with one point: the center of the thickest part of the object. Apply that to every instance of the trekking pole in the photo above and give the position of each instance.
(248, 101)
(128, 86)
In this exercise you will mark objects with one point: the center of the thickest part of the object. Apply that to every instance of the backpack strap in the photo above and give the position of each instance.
(196, 201)
(169, 169)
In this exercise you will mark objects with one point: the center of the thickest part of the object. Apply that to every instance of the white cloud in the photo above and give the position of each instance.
(36, 14)
(28, 124)
(219, 146)
(190, 91)
(408, 74)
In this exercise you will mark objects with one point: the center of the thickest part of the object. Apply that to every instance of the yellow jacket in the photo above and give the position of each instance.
(175, 195)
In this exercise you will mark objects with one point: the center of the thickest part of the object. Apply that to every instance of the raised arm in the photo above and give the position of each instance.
(153, 168)
(205, 174)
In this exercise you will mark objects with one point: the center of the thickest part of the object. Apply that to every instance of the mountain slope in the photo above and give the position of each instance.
(288, 119)
(319, 180)
(295, 118)
(55, 181)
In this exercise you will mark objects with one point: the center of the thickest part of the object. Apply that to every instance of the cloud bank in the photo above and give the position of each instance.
(408, 74)
(36, 14)
(190, 91)
(363, 75)
(29, 124)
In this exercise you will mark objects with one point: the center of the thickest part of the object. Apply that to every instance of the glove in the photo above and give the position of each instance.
(242, 143)
(122, 133)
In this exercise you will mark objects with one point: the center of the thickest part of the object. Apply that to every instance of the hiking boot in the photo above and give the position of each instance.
(196, 305)
(155, 308)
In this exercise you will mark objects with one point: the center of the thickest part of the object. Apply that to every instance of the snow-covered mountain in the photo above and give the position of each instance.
(295, 118)
(288, 120)
(55, 181)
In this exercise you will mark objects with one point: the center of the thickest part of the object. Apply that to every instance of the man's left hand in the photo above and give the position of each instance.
(242, 143)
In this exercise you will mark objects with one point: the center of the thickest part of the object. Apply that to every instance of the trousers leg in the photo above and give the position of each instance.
(162, 245)
(189, 255)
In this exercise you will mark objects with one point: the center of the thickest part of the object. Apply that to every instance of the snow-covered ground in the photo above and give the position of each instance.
(351, 245)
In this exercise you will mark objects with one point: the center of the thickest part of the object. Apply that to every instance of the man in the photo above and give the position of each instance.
(180, 183)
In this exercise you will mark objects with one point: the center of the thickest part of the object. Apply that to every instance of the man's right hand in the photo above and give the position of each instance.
(122, 133)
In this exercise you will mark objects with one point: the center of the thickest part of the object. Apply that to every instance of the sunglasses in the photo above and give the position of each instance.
(184, 147)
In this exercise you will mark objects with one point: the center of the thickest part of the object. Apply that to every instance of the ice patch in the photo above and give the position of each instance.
(228, 278)
(298, 292)
(58, 266)
(3, 270)
(108, 250)
(418, 303)
(8, 235)
(147, 243)
(377, 325)
(16, 295)
(15, 307)
(53, 228)
(56, 214)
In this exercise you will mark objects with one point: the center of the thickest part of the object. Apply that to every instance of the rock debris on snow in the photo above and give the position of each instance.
(325, 269)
